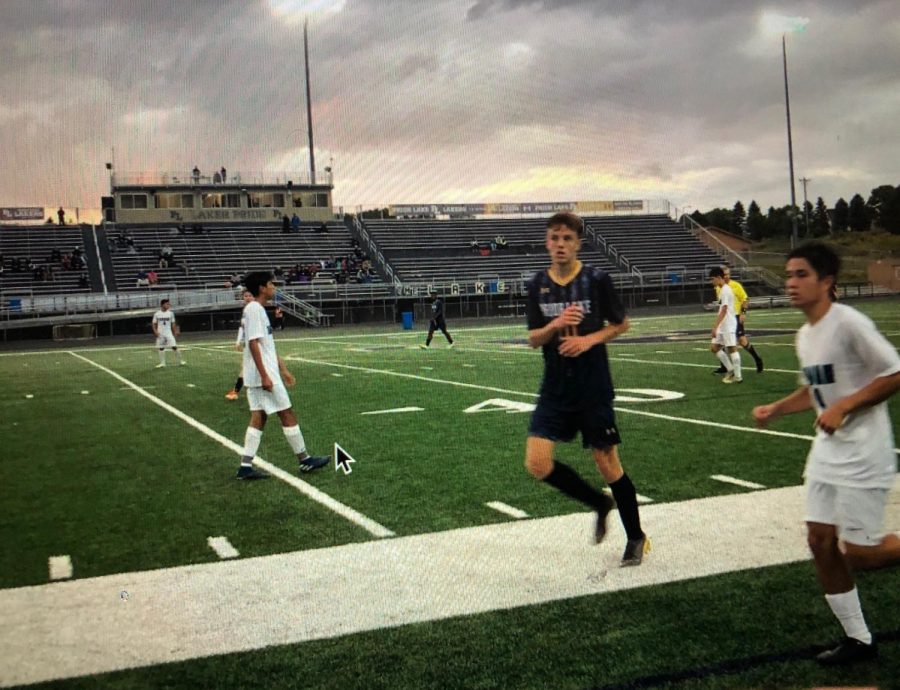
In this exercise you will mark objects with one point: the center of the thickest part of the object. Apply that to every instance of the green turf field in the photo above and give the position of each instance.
(127, 468)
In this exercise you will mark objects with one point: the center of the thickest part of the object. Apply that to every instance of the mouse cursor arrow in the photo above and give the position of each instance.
(342, 459)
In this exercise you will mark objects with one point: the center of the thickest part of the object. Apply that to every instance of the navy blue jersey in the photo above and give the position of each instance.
(437, 309)
(586, 378)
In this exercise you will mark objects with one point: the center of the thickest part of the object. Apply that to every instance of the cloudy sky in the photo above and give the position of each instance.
(454, 100)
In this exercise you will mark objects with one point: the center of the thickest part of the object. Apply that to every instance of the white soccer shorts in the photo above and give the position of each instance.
(269, 402)
(164, 341)
(726, 337)
(857, 513)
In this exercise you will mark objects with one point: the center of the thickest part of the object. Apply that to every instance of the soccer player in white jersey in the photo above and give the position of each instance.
(849, 370)
(164, 328)
(724, 332)
(265, 376)
(239, 346)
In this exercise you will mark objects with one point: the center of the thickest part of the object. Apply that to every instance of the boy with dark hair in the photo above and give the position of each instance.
(573, 311)
(437, 321)
(165, 328)
(848, 372)
(265, 376)
(724, 332)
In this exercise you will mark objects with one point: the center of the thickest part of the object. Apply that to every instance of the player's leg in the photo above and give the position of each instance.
(177, 352)
(884, 554)
(735, 356)
(865, 544)
(833, 572)
(253, 436)
(295, 439)
(431, 328)
(443, 326)
(717, 349)
(540, 464)
(744, 342)
(238, 384)
(161, 346)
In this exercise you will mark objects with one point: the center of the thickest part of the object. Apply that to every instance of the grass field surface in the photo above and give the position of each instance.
(410, 571)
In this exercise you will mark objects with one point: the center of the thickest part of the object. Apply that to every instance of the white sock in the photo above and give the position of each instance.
(723, 358)
(162, 356)
(178, 355)
(251, 445)
(848, 611)
(294, 438)
(736, 363)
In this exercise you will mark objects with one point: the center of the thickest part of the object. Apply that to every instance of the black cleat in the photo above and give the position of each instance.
(849, 651)
(720, 371)
(759, 366)
(314, 462)
(250, 473)
(603, 512)
(634, 551)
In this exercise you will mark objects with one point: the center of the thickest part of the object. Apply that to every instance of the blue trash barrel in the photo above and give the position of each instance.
(407, 320)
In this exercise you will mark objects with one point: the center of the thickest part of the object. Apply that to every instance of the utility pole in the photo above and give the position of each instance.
(805, 180)
(309, 126)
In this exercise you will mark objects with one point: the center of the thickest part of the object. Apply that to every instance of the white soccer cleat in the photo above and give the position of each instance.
(160, 366)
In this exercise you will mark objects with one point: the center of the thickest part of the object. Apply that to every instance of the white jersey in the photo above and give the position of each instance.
(839, 355)
(255, 325)
(726, 298)
(164, 321)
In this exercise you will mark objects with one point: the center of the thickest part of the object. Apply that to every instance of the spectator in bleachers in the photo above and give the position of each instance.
(196, 174)
(279, 318)
(224, 174)
(285, 226)
(501, 242)
(234, 281)
(322, 228)
(278, 271)
(475, 246)
(62, 216)
(142, 280)
(152, 277)
(295, 223)
(83, 281)
(217, 178)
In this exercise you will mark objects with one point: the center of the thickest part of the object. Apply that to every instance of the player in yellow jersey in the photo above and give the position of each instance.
(742, 303)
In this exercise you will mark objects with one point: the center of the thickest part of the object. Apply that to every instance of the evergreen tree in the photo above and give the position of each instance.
(820, 223)
(756, 222)
(840, 216)
(719, 218)
(857, 218)
(738, 218)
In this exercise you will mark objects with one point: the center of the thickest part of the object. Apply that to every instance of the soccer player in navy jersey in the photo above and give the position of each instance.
(573, 311)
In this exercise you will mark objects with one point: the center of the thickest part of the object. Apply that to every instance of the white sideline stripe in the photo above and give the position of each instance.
(507, 509)
(640, 498)
(308, 490)
(222, 547)
(60, 567)
(670, 418)
(396, 409)
(81, 627)
(737, 482)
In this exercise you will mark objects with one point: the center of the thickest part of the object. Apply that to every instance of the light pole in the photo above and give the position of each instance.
(805, 180)
(787, 107)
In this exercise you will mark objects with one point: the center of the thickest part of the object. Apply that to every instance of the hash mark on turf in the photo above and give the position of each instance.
(737, 482)
(507, 509)
(60, 567)
(222, 547)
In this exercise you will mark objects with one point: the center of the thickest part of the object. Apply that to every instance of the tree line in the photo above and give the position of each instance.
(881, 211)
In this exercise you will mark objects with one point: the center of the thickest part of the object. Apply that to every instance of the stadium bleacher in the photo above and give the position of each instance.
(217, 252)
(37, 243)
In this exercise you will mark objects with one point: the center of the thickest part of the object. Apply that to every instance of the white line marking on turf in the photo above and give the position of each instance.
(308, 490)
(396, 409)
(85, 392)
(29, 395)
(640, 498)
(507, 509)
(222, 547)
(204, 610)
(737, 482)
(340, 376)
(60, 567)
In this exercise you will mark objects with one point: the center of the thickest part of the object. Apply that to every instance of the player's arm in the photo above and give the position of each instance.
(723, 311)
(256, 353)
(798, 401)
(876, 391)
(154, 327)
(286, 375)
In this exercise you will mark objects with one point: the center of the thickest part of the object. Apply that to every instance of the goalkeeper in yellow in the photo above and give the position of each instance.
(741, 303)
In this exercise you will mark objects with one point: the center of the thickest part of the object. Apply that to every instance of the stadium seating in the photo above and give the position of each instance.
(37, 243)
(217, 252)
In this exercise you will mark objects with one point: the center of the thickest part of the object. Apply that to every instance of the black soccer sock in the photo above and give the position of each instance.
(565, 479)
(626, 499)
(752, 351)
(238, 384)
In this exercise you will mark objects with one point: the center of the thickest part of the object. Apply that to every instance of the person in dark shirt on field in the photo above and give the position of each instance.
(573, 311)
(437, 321)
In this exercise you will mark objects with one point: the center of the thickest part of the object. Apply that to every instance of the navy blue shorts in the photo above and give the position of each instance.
(596, 422)
(740, 327)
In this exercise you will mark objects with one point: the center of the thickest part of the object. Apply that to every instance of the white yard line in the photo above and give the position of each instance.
(501, 507)
(222, 547)
(396, 409)
(60, 567)
(737, 482)
(84, 627)
(308, 490)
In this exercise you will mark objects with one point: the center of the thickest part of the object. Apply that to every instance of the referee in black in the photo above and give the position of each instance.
(437, 321)
(573, 311)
